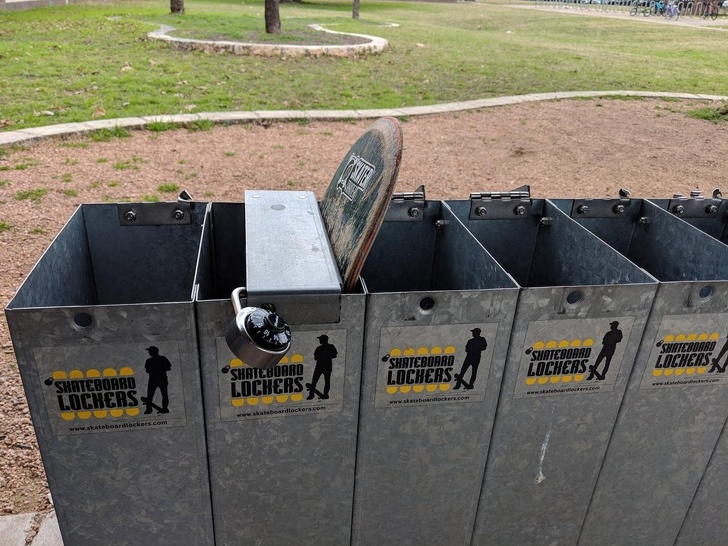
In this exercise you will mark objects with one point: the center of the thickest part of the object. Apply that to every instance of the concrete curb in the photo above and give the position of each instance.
(373, 44)
(32, 529)
(36, 134)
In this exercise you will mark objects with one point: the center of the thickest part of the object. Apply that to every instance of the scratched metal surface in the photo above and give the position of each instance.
(420, 460)
(547, 447)
(136, 484)
(354, 208)
(286, 478)
(665, 432)
(705, 522)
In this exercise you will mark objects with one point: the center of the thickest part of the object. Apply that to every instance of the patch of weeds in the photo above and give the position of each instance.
(113, 183)
(229, 154)
(201, 125)
(303, 121)
(168, 188)
(66, 177)
(208, 194)
(290, 183)
(150, 199)
(105, 135)
(190, 176)
(403, 119)
(327, 133)
(182, 162)
(34, 196)
(37, 231)
(621, 97)
(4, 168)
(102, 160)
(68, 161)
(74, 144)
(95, 185)
(133, 163)
(4, 226)
(70, 193)
(4, 182)
(715, 115)
(159, 126)
(25, 164)
(3, 152)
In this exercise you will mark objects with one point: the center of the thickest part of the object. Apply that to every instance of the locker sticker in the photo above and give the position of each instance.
(688, 351)
(309, 379)
(113, 388)
(434, 364)
(572, 356)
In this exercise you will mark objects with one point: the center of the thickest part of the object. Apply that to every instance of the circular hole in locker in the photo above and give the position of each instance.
(706, 291)
(574, 297)
(83, 321)
(427, 303)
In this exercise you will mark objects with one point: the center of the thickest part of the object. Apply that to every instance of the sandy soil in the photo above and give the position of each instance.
(577, 148)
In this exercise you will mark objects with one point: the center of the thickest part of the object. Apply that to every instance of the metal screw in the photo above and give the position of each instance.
(618, 209)
(520, 210)
(678, 209)
(130, 215)
(440, 224)
(413, 212)
(711, 209)
(480, 211)
(582, 209)
(178, 214)
(643, 220)
(545, 221)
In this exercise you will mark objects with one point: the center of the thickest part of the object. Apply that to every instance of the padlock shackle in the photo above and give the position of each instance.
(235, 297)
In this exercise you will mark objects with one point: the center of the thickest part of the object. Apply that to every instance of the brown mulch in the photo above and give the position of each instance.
(568, 148)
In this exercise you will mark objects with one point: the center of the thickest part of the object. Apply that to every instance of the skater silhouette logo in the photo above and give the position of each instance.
(609, 346)
(473, 350)
(157, 367)
(324, 356)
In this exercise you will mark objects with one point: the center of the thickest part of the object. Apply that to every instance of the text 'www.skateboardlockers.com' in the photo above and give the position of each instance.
(119, 426)
(429, 400)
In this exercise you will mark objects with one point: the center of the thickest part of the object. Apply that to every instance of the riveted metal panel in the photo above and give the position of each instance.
(438, 321)
(120, 432)
(281, 454)
(579, 320)
(676, 402)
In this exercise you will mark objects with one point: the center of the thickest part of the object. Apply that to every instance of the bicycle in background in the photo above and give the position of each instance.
(711, 10)
(672, 11)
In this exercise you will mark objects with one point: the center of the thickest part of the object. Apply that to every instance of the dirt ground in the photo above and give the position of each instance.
(568, 148)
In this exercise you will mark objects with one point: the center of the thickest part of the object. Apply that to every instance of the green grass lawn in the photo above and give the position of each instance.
(62, 64)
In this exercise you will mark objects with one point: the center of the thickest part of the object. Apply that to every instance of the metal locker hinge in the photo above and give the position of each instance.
(500, 205)
(407, 206)
(696, 206)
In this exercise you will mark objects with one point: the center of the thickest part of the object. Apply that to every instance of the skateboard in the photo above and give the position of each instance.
(356, 201)
(153, 405)
(312, 390)
(594, 373)
(460, 382)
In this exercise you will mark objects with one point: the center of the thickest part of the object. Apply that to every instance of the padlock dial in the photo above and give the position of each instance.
(268, 330)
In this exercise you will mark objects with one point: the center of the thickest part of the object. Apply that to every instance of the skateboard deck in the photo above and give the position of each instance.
(356, 201)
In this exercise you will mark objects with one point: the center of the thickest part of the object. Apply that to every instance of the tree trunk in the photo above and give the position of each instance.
(355, 10)
(177, 6)
(272, 17)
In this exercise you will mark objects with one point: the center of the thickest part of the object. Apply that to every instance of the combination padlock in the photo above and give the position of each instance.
(257, 336)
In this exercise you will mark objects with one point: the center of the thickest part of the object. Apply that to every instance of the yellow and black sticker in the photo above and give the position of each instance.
(572, 356)
(309, 379)
(111, 388)
(434, 364)
(688, 351)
